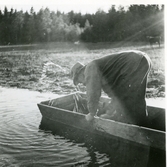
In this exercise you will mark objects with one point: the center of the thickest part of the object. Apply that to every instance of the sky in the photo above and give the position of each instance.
(83, 6)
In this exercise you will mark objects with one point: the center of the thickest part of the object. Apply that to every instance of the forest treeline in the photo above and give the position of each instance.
(132, 24)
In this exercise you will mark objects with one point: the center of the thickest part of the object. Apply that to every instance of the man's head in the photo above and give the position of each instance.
(77, 73)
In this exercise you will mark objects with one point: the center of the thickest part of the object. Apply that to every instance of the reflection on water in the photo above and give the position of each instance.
(28, 140)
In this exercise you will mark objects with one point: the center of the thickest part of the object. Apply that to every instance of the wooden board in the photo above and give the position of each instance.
(113, 129)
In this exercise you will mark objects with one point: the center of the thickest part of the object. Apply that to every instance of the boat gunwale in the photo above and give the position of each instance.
(108, 120)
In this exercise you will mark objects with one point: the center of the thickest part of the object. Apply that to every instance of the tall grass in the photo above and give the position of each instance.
(24, 65)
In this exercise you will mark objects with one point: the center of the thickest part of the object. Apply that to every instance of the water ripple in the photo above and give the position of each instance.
(22, 143)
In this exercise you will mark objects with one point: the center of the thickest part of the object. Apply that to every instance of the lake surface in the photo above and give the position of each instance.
(26, 142)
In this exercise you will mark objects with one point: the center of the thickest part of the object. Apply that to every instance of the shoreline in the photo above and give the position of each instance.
(47, 70)
(156, 101)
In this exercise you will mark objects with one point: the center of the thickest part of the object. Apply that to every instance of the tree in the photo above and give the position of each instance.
(57, 27)
(87, 32)
(5, 27)
(133, 24)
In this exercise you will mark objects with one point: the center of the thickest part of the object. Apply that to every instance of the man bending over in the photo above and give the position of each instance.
(123, 77)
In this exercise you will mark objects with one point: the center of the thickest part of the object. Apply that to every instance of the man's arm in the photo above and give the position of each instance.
(93, 87)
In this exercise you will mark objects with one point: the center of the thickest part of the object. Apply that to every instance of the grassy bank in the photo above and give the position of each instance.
(46, 67)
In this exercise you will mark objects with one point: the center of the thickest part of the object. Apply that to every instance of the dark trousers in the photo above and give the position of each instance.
(129, 95)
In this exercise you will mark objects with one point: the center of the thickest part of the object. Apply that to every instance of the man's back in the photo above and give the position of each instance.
(123, 76)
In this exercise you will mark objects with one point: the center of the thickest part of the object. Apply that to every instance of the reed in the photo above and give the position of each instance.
(23, 66)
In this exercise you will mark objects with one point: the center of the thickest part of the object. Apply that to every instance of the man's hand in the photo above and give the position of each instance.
(89, 117)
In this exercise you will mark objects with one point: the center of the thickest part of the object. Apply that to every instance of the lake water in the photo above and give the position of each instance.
(25, 142)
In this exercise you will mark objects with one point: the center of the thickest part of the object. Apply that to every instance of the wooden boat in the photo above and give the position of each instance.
(60, 110)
